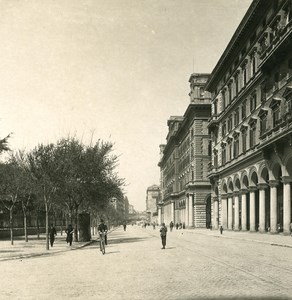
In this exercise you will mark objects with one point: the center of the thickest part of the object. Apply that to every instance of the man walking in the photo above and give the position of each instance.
(163, 231)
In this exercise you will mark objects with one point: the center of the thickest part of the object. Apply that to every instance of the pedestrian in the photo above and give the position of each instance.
(125, 226)
(180, 225)
(163, 231)
(52, 233)
(221, 229)
(184, 225)
(176, 226)
(69, 232)
(153, 224)
(171, 226)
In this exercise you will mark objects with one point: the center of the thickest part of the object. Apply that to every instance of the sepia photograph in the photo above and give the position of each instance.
(146, 149)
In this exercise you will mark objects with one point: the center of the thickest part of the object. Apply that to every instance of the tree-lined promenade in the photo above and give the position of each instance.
(67, 177)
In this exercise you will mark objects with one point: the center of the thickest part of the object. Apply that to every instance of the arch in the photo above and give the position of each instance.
(237, 185)
(276, 170)
(253, 176)
(208, 203)
(287, 162)
(224, 187)
(230, 187)
(244, 180)
(263, 173)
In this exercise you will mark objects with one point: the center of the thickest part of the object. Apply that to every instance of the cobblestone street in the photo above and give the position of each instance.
(194, 265)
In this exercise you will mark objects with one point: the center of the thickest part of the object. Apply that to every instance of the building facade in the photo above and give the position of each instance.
(152, 200)
(251, 123)
(185, 188)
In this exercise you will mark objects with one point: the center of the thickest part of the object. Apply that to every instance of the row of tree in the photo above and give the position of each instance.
(66, 176)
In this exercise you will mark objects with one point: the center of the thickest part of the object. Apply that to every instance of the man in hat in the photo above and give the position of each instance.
(102, 228)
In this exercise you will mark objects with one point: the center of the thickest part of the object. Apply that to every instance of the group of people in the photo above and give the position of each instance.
(69, 232)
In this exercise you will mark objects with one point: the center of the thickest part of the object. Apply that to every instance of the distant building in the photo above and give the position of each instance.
(184, 159)
(131, 209)
(251, 123)
(152, 200)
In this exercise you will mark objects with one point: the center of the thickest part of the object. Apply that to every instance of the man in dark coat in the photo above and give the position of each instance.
(102, 228)
(69, 232)
(163, 231)
(52, 233)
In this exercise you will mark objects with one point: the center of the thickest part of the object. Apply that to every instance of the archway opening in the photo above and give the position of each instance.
(208, 212)
(265, 179)
(254, 182)
(277, 172)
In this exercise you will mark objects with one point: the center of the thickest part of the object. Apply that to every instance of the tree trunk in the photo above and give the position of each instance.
(47, 225)
(11, 224)
(38, 226)
(25, 226)
(76, 225)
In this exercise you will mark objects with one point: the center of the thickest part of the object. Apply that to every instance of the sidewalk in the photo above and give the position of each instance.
(35, 247)
(265, 238)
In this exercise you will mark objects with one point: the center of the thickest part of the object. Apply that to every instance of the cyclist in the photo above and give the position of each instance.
(102, 228)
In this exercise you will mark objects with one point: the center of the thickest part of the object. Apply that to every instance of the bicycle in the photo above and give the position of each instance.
(102, 242)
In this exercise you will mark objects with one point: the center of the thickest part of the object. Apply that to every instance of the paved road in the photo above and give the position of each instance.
(194, 266)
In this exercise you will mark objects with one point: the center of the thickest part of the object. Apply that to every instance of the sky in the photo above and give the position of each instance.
(114, 70)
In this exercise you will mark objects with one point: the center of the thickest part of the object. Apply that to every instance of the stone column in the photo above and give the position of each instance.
(186, 219)
(224, 211)
(172, 217)
(159, 214)
(236, 211)
(243, 210)
(287, 203)
(215, 213)
(262, 204)
(191, 210)
(273, 206)
(252, 190)
(230, 211)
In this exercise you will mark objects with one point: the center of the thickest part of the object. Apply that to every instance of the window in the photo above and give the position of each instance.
(253, 102)
(215, 107)
(230, 147)
(223, 100)
(290, 67)
(275, 106)
(263, 92)
(253, 65)
(215, 158)
(276, 80)
(243, 110)
(288, 96)
(243, 140)
(202, 92)
(230, 124)
(235, 144)
(223, 154)
(230, 92)
(263, 117)
(252, 132)
(224, 129)
(236, 83)
(236, 117)
(244, 75)
(252, 141)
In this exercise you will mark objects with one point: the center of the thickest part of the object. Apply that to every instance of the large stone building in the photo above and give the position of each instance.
(185, 188)
(251, 123)
(152, 200)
